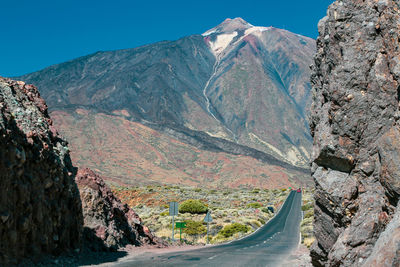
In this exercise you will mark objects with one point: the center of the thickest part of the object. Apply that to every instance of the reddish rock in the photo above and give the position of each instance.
(109, 224)
(386, 249)
(40, 208)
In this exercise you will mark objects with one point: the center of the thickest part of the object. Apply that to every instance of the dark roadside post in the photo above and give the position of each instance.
(173, 211)
(208, 219)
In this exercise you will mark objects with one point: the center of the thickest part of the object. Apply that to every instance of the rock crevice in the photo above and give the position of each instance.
(40, 208)
(42, 211)
(109, 224)
(354, 123)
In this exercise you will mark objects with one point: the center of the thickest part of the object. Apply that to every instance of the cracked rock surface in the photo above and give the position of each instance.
(40, 208)
(42, 212)
(109, 224)
(354, 123)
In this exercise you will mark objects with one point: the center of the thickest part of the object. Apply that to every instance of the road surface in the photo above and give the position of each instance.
(268, 246)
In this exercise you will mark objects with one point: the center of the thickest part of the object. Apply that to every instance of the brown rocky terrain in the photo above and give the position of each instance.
(356, 133)
(128, 152)
(40, 208)
(108, 224)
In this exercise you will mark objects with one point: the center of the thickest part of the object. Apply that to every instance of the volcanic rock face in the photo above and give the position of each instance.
(40, 208)
(108, 224)
(356, 133)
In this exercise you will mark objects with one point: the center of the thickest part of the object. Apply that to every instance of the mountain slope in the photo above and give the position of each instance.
(123, 150)
(260, 81)
(236, 82)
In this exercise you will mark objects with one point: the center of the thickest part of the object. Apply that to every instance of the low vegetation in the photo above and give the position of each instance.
(194, 228)
(235, 212)
(234, 228)
(306, 227)
(193, 206)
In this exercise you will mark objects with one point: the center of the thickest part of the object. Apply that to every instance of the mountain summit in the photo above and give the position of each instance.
(237, 88)
(229, 33)
(229, 25)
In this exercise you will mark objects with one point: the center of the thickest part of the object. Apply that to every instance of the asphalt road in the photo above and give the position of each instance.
(268, 246)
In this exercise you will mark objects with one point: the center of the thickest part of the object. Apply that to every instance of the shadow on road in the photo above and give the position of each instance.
(95, 252)
(94, 258)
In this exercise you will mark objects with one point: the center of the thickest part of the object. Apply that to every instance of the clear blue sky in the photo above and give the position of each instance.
(38, 33)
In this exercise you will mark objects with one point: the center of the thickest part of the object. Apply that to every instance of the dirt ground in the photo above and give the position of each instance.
(299, 258)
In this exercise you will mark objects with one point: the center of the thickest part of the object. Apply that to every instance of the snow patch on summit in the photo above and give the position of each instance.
(256, 30)
(209, 32)
(222, 41)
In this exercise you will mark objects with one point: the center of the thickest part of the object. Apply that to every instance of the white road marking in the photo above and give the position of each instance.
(213, 257)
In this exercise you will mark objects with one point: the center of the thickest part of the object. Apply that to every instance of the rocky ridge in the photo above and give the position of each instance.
(40, 203)
(354, 123)
(40, 208)
(108, 224)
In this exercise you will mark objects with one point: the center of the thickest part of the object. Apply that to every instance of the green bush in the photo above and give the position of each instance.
(254, 205)
(307, 206)
(231, 229)
(256, 223)
(164, 213)
(194, 228)
(197, 190)
(265, 210)
(308, 214)
(256, 191)
(192, 206)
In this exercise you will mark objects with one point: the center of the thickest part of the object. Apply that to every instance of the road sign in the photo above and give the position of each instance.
(271, 209)
(180, 225)
(173, 208)
(208, 217)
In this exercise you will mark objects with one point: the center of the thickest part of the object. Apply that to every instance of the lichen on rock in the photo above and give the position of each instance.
(354, 123)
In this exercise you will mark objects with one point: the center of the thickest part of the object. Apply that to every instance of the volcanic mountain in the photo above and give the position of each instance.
(237, 91)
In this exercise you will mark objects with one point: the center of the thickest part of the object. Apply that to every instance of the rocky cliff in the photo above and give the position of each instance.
(40, 208)
(354, 123)
(42, 211)
(108, 224)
